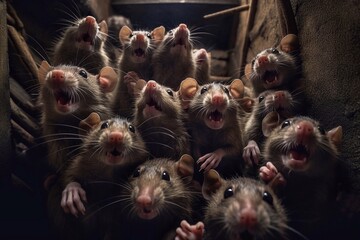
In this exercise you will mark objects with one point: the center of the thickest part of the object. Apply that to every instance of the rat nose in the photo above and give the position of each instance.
(90, 20)
(58, 76)
(304, 130)
(263, 60)
(217, 99)
(116, 137)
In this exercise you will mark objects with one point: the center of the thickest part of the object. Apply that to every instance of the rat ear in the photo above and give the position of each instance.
(237, 89)
(124, 34)
(248, 71)
(187, 91)
(87, 124)
(212, 183)
(103, 27)
(42, 71)
(270, 121)
(335, 136)
(289, 43)
(158, 34)
(108, 79)
(247, 104)
(185, 166)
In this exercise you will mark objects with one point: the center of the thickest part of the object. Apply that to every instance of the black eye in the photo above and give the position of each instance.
(170, 32)
(226, 90)
(131, 35)
(136, 173)
(148, 35)
(83, 73)
(261, 98)
(253, 62)
(275, 51)
(165, 176)
(268, 198)
(286, 124)
(170, 92)
(204, 89)
(228, 192)
(132, 128)
(104, 125)
(321, 130)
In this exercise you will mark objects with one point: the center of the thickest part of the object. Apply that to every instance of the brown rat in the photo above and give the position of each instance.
(69, 94)
(203, 66)
(238, 208)
(173, 60)
(110, 153)
(159, 118)
(157, 197)
(306, 156)
(214, 124)
(82, 44)
(134, 64)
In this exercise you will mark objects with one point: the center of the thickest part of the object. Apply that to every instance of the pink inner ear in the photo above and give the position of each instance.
(104, 82)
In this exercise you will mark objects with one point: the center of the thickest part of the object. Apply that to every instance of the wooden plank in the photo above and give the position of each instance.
(22, 98)
(21, 134)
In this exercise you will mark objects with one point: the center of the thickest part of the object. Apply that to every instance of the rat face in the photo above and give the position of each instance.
(116, 142)
(280, 101)
(87, 33)
(178, 40)
(272, 68)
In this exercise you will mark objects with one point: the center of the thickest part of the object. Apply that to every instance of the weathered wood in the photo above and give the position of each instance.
(24, 120)
(22, 98)
(5, 133)
(21, 134)
(18, 24)
(228, 11)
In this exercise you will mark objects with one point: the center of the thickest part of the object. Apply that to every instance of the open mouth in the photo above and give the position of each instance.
(65, 102)
(180, 42)
(139, 52)
(296, 157)
(215, 120)
(152, 103)
(147, 213)
(246, 235)
(113, 157)
(270, 76)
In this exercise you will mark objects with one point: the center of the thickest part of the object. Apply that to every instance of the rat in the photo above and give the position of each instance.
(274, 69)
(160, 120)
(282, 104)
(68, 94)
(111, 151)
(306, 156)
(134, 64)
(156, 198)
(237, 208)
(82, 45)
(203, 66)
(213, 120)
(173, 60)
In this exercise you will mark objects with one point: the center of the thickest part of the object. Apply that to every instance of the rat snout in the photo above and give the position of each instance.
(90, 20)
(218, 99)
(151, 84)
(58, 76)
(182, 26)
(248, 216)
(263, 60)
(144, 199)
(115, 137)
(140, 38)
(304, 130)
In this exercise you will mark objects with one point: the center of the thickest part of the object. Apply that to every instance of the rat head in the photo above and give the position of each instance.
(159, 188)
(140, 44)
(212, 104)
(115, 142)
(242, 208)
(281, 102)
(301, 144)
(178, 41)
(272, 68)
(69, 89)
(87, 33)
(156, 100)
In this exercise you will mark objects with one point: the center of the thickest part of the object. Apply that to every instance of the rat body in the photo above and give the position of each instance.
(214, 125)
(109, 154)
(157, 197)
(159, 118)
(306, 157)
(274, 69)
(69, 94)
(238, 208)
(83, 45)
(134, 64)
(173, 60)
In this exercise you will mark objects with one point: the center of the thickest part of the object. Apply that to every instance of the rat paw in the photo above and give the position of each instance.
(251, 153)
(72, 199)
(190, 232)
(130, 80)
(268, 172)
(211, 160)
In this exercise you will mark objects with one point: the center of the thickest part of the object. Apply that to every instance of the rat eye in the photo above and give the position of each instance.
(275, 51)
(170, 92)
(148, 35)
(253, 62)
(170, 32)
(228, 192)
(132, 128)
(226, 90)
(104, 125)
(268, 198)
(83, 73)
(285, 124)
(131, 35)
(321, 130)
(165, 176)
(136, 173)
(204, 89)
(261, 98)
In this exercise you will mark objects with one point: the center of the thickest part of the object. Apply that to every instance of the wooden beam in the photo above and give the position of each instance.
(228, 11)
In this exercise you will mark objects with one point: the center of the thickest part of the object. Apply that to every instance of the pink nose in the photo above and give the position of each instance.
(58, 76)
(140, 37)
(182, 26)
(144, 198)
(116, 137)
(151, 85)
(263, 60)
(304, 130)
(90, 20)
(217, 99)
(248, 218)
(279, 96)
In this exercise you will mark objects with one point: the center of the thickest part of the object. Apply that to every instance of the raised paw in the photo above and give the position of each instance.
(251, 153)
(268, 172)
(130, 80)
(211, 160)
(72, 199)
(190, 232)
